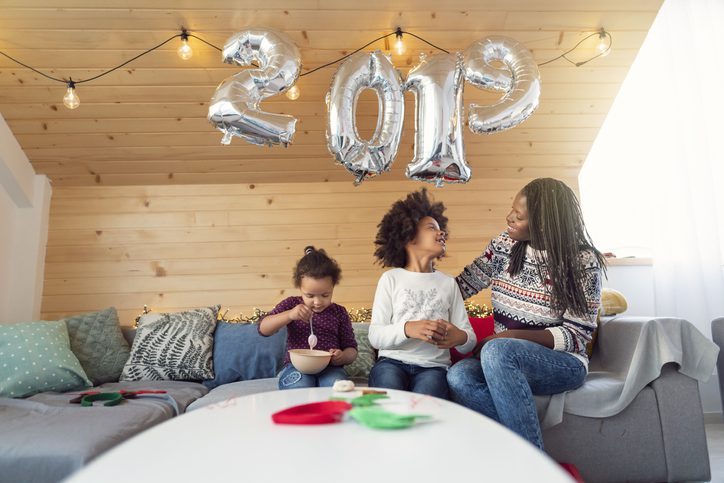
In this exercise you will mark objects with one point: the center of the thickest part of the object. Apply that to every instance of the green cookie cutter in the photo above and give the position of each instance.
(377, 418)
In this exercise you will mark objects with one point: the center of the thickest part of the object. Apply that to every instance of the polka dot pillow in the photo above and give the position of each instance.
(36, 357)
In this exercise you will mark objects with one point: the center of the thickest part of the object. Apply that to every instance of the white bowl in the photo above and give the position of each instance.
(309, 361)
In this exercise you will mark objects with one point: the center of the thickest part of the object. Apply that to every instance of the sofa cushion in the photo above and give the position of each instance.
(483, 327)
(36, 357)
(241, 353)
(226, 393)
(174, 346)
(45, 438)
(366, 355)
(99, 345)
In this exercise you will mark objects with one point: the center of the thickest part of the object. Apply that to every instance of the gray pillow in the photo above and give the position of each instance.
(98, 343)
(174, 347)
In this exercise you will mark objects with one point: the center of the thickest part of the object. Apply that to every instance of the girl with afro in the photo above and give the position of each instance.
(418, 313)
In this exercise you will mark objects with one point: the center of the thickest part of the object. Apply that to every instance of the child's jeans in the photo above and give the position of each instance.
(394, 374)
(290, 378)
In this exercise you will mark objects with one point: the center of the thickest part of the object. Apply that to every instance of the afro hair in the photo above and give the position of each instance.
(399, 227)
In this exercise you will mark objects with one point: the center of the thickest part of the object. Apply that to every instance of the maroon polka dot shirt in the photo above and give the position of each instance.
(332, 327)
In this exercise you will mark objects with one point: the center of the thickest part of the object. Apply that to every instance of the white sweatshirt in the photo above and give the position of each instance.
(403, 296)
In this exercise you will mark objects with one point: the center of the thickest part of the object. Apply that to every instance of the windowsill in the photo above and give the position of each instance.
(628, 262)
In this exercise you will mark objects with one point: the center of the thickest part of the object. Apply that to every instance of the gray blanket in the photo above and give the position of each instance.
(44, 438)
(629, 355)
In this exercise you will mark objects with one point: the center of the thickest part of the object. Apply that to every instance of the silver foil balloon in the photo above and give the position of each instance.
(437, 83)
(365, 159)
(234, 107)
(520, 82)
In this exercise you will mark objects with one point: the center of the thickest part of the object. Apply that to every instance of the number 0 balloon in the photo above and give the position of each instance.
(365, 159)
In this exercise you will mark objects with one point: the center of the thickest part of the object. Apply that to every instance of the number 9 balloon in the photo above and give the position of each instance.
(234, 108)
(520, 83)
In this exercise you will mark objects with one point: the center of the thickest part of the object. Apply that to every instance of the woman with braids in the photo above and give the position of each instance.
(418, 313)
(545, 275)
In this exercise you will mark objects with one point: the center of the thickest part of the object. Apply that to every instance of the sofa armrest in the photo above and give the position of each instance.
(616, 343)
(630, 354)
(682, 426)
(637, 344)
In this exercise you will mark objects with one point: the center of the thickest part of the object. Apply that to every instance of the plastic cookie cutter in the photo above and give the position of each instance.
(114, 398)
(110, 398)
(326, 412)
(377, 418)
(364, 400)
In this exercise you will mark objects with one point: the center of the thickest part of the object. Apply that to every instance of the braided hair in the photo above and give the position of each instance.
(556, 225)
(316, 264)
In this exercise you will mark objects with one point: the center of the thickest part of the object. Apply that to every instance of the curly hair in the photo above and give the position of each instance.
(556, 226)
(316, 264)
(399, 227)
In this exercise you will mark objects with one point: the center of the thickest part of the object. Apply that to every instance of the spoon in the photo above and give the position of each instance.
(312, 340)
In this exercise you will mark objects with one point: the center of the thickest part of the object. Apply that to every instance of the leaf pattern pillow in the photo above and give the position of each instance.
(366, 356)
(173, 347)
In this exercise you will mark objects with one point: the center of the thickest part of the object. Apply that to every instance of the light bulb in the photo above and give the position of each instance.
(185, 51)
(293, 93)
(400, 46)
(604, 45)
(71, 99)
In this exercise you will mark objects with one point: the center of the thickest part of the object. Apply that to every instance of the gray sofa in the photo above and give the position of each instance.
(658, 436)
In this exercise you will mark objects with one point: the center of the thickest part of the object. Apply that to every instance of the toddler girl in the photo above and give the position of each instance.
(316, 275)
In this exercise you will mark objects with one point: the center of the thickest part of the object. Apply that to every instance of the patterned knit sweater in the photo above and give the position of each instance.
(523, 302)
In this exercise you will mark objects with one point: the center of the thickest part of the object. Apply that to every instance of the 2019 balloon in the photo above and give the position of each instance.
(520, 83)
(437, 82)
(365, 158)
(234, 108)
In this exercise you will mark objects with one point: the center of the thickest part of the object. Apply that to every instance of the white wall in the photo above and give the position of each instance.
(24, 209)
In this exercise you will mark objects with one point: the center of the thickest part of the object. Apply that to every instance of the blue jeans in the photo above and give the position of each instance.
(502, 383)
(290, 378)
(394, 374)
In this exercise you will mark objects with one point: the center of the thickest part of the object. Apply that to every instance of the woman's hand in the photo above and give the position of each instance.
(430, 331)
(300, 312)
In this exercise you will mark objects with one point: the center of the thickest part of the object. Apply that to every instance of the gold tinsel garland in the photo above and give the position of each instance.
(477, 310)
(355, 315)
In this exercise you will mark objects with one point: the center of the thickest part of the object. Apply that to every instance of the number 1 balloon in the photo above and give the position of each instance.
(234, 108)
(437, 82)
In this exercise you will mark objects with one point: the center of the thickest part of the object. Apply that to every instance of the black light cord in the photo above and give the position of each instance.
(398, 32)
(130, 60)
(578, 64)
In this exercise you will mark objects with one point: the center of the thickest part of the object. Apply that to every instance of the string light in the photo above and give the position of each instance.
(399, 44)
(604, 43)
(185, 51)
(72, 101)
(293, 93)
(603, 36)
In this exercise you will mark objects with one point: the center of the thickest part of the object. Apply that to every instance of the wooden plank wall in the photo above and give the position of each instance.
(177, 247)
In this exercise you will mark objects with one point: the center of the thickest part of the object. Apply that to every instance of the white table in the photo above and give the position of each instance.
(237, 441)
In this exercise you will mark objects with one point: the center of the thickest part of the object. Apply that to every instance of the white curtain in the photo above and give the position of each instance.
(653, 183)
